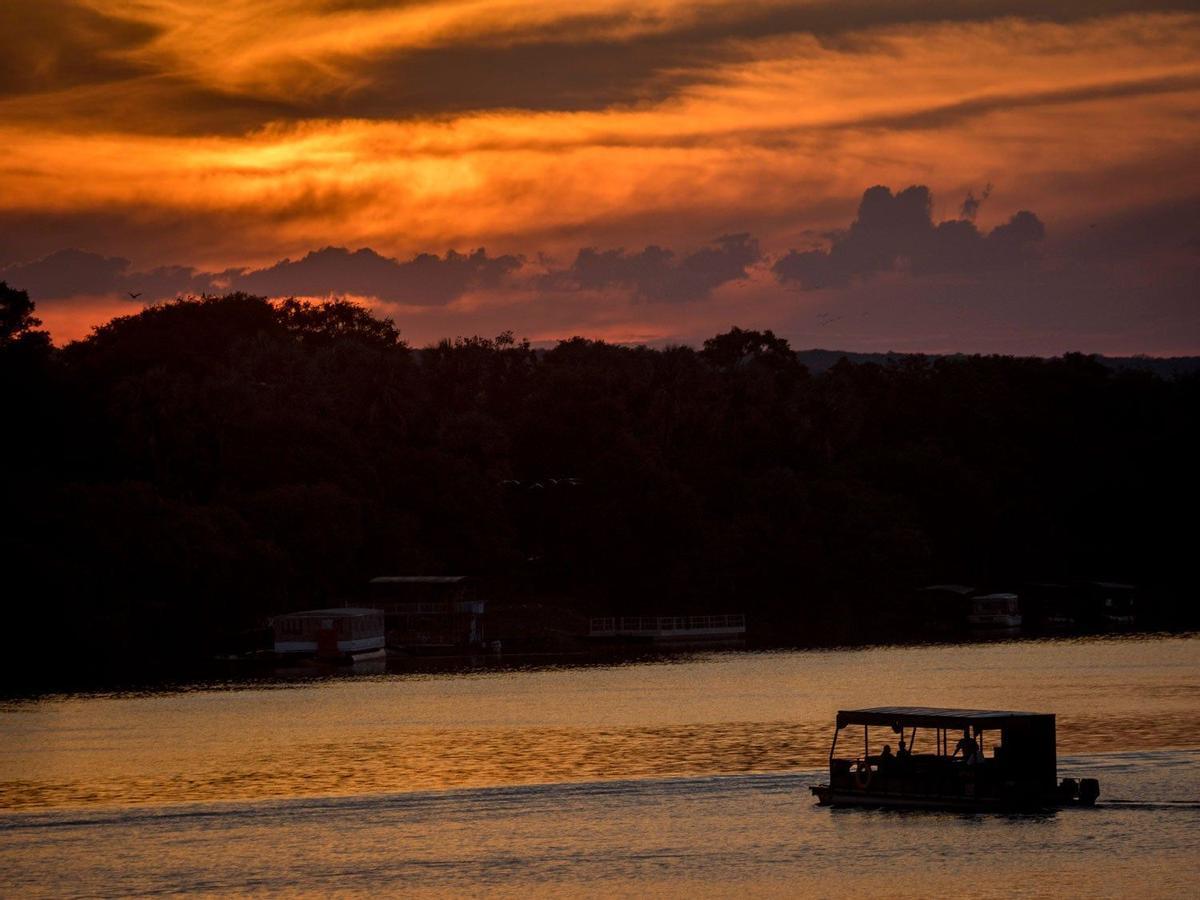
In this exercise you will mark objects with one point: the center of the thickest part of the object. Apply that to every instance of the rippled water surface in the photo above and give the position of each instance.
(683, 776)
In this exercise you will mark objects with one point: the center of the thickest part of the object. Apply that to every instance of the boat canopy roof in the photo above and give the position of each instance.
(930, 717)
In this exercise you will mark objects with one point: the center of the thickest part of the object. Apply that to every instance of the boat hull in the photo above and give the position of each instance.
(827, 796)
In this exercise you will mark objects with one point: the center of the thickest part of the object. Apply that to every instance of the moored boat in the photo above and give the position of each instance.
(348, 634)
(1112, 605)
(1003, 760)
(997, 613)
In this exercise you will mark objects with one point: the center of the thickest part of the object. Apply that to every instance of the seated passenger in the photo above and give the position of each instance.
(885, 758)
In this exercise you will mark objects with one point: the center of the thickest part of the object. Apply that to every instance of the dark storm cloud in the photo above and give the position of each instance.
(952, 113)
(890, 233)
(897, 232)
(48, 45)
(30, 234)
(424, 280)
(581, 62)
(656, 273)
(538, 75)
(68, 273)
(157, 105)
(73, 273)
(576, 63)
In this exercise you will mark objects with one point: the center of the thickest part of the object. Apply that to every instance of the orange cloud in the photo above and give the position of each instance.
(795, 123)
(228, 134)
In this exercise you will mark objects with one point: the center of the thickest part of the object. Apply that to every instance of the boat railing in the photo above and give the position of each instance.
(653, 625)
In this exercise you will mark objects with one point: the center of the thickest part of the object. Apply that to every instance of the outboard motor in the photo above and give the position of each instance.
(1089, 790)
(1068, 789)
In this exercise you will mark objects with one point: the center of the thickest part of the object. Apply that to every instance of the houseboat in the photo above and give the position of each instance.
(1110, 604)
(948, 759)
(996, 613)
(349, 634)
(430, 613)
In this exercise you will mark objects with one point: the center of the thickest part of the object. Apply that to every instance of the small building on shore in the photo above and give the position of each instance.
(430, 611)
(350, 632)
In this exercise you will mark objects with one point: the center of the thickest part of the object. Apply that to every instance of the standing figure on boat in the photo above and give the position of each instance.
(969, 748)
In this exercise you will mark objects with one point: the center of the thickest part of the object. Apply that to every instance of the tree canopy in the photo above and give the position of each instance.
(188, 470)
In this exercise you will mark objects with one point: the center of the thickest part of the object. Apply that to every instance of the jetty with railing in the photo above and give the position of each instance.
(692, 630)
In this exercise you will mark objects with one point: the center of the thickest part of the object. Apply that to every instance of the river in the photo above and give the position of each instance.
(682, 775)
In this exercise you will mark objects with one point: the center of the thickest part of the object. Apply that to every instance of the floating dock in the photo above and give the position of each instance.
(715, 629)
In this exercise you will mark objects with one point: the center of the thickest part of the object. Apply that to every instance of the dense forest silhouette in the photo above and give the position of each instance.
(186, 471)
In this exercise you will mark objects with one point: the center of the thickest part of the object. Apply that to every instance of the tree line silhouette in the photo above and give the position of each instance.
(186, 471)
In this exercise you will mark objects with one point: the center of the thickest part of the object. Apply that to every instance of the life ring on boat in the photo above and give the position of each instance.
(862, 774)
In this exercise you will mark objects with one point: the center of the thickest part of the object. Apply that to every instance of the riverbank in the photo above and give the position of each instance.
(57, 676)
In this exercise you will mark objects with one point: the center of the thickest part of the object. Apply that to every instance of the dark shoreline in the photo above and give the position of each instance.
(232, 675)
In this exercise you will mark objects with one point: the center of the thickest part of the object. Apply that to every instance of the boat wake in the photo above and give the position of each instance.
(1149, 804)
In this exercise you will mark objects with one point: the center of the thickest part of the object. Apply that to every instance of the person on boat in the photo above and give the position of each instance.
(886, 760)
(969, 748)
(903, 756)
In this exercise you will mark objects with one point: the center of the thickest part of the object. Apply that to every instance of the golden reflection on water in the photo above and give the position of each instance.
(714, 714)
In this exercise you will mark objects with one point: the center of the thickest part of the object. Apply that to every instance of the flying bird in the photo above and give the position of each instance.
(134, 296)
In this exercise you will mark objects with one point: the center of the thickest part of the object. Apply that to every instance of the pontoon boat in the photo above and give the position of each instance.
(948, 759)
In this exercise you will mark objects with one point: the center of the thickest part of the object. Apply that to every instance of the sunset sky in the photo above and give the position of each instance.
(932, 176)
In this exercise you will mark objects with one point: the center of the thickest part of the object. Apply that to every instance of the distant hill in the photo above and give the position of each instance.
(1164, 366)
(819, 360)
